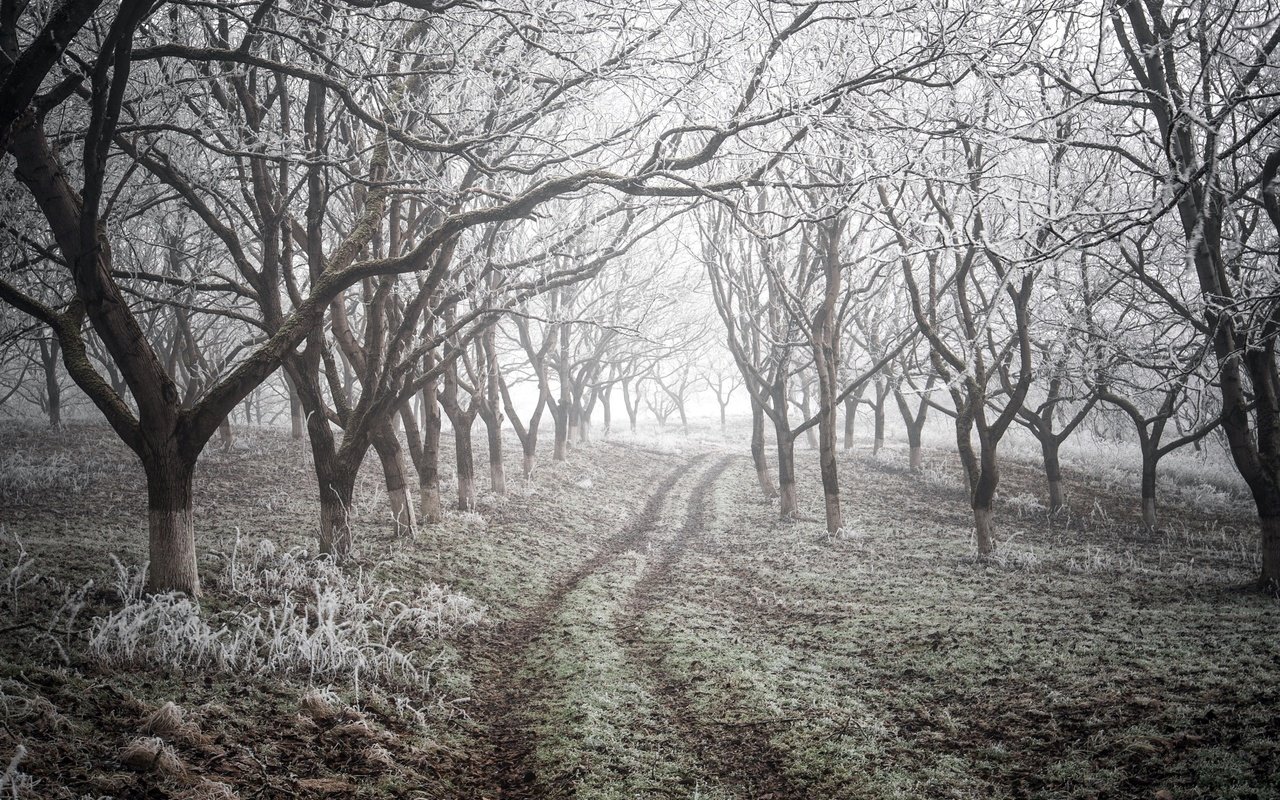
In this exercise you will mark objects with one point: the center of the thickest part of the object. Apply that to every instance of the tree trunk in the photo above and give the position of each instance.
(806, 410)
(827, 460)
(786, 472)
(497, 475)
(171, 526)
(228, 438)
(964, 446)
(1270, 579)
(574, 431)
(1052, 473)
(758, 456)
(914, 422)
(882, 391)
(607, 411)
(49, 354)
(296, 418)
(850, 413)
(1149, 464)
(560, 415)
(982, 530)
(984, 493)
(391, 456)
(337, 481)
(465, 464)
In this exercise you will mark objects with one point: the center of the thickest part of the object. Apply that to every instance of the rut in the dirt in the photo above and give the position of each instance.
(738, 757)
(508, 772)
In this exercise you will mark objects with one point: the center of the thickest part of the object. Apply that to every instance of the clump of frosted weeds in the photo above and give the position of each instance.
(17, 570)
(13, 783)
(471, 519)
(1017, 558)
(28, 476)
(151, 754)
(1025, 505)
(940, 478)
(304, 617)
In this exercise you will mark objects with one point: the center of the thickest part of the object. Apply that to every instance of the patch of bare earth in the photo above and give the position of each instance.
(736, 755)
(507, 769)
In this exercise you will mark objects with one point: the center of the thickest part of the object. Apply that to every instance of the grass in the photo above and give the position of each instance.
(548, 641)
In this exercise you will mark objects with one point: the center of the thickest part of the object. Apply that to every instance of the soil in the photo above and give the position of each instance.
(655, 631)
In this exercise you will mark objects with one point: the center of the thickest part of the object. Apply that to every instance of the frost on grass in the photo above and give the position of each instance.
(297, 616)
(30, 477)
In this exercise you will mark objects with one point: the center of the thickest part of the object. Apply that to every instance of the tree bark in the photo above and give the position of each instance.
(297, 420)
(497, 475)
(1052, 472)
(49, 350)
(335, 519)
(850, 413)
(172, 535)
(982, 530)
(1270, 580)
(1149, 462)
(983, 495)
(426, 456)
(758, 456)
(882, 391)
(786, 472)
(391, 456)
(466, 471)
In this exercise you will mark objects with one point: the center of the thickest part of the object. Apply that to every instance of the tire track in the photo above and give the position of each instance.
(509, 771)
(741, 757)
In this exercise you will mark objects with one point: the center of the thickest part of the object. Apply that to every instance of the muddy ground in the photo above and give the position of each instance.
(651, 630)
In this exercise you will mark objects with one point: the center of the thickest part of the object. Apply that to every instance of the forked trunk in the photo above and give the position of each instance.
(850, 414)
(916, 458)
(1149, 518)
(171, 527)
(527, 464)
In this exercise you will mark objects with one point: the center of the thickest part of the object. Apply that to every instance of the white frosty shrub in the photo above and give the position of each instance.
(305, 617)
(1025, 505)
